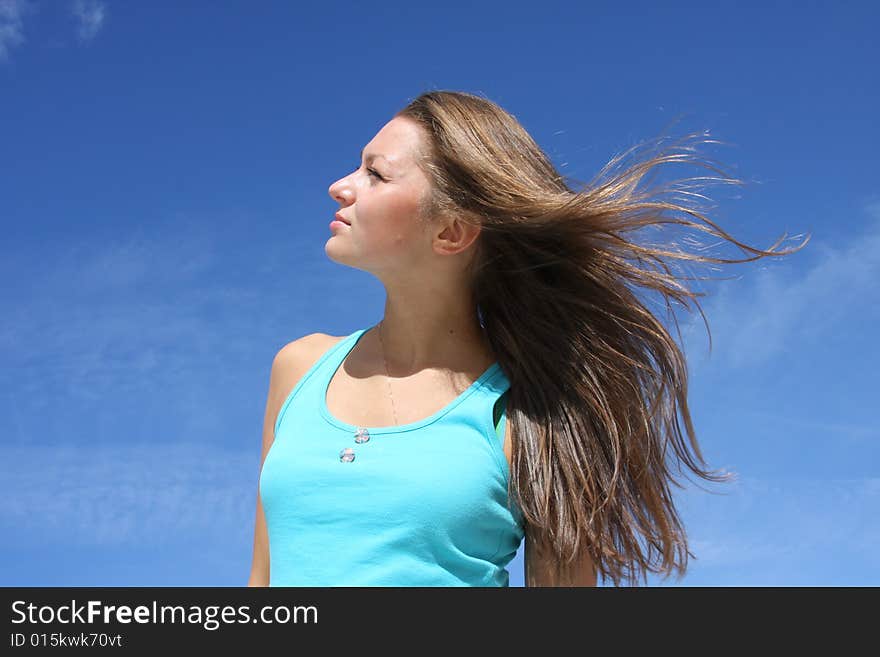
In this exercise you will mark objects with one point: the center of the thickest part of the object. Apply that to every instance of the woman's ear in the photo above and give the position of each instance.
(454, 235)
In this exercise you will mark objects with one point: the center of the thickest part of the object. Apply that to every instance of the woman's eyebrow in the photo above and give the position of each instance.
(373, 156)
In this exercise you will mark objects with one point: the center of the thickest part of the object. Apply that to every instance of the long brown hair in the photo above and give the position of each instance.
(596, 379)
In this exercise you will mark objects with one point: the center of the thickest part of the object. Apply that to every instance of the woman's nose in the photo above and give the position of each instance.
(340, 190)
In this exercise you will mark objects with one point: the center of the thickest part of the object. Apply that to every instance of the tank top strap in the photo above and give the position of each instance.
(500, 413)
(488, 404)
(496, 390)
(329, 361)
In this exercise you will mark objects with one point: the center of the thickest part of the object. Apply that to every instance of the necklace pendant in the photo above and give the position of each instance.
(361, 435)
(346, 455)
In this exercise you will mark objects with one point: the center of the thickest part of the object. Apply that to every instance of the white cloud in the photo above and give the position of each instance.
(11, 25)
(125, 494)
(148, 316)
(786, 520)
(90, 15)
(796, 299)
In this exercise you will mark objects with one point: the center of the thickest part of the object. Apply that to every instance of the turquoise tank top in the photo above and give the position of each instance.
(418, 504)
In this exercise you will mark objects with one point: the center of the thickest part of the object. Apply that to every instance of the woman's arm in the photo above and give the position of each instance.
(539, 573)
(291, 362)
(260, 563)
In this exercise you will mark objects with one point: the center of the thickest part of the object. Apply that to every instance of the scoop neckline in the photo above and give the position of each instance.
(396, 428)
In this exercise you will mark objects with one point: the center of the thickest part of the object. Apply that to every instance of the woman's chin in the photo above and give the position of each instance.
(336, 255)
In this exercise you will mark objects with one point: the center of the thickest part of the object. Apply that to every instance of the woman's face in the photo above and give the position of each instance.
(380, 201)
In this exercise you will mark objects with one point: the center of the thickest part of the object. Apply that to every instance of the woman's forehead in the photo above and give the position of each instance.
(396, 143)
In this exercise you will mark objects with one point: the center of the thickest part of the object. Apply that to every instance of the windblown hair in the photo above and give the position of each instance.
(597, 381)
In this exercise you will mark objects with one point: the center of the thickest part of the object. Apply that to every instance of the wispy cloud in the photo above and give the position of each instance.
(11, 25)
(764, 530)
(90, 15)
(123, 495)
(798, 299)
(105, 325)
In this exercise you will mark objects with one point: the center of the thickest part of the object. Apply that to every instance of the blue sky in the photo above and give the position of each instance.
(164, 208)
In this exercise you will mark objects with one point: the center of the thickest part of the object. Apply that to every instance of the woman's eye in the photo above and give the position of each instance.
(371, 172)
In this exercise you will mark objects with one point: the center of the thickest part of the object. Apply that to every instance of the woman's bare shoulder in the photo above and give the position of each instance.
(304, 350)
(290, 364)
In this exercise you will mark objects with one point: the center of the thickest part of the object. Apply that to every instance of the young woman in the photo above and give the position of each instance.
(515, 387)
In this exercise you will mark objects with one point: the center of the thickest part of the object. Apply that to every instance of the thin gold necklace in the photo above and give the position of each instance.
(387, 376)
(362, 434)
